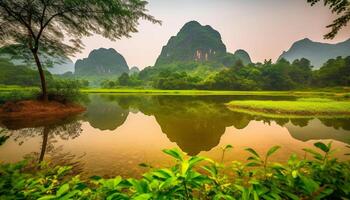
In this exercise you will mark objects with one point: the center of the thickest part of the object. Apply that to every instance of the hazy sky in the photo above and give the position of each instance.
(264, 28)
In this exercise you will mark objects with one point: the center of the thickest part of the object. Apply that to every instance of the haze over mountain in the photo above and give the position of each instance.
(318, 53)
(198, 43)
(102, 62)
(134, 70)
(64, 66)
(57, 65)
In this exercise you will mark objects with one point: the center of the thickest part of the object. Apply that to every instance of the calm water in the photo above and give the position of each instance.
(118, 132)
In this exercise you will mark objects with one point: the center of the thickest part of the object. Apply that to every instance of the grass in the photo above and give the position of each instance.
(212, 92)
(10, 88)
(309, 93)
(305, 107)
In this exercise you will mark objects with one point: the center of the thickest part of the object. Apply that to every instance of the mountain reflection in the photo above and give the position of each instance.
(194, 123)
(104, 113)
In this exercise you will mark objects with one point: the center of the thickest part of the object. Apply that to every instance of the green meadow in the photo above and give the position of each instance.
(300, 107)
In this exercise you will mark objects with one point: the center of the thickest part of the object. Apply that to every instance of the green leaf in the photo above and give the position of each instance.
(144, 165)
(309, 185)
(113, 183)
(63, 189)
(295, 173)
(140, 186)
(212, 169)
(143, 197)
(252, 164)
(322, 146)
(47, 197)
(252, 151)
(316, 155)
(228, 147)
(194, 160)
(174, 153)
(272, 150)
(163, 173)
(292, 196)
(253, 158)
(184, 167)
(256, 196)
(95, 178)
(62, 170)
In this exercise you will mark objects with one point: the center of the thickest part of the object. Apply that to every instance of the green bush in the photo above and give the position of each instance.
(322, 177)
(64, 91)
(18, 95)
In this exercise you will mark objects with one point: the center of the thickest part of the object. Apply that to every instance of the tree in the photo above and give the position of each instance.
(124, 79)
(54, 27)
(340, 7)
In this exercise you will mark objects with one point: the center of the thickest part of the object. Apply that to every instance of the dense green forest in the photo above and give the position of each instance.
(281, 75)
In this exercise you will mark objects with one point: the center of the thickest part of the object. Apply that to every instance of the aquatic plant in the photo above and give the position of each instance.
(320, 177)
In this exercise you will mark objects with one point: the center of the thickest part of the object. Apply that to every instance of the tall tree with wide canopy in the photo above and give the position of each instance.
(339, 7)
(55, 27)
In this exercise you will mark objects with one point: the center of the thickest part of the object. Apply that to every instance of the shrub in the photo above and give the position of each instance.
(322, 177)
(18, 95)
(64, 91)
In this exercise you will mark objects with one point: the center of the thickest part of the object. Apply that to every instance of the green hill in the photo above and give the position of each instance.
(199, 44)
(318, 53)
(102, 62)
(12, 74)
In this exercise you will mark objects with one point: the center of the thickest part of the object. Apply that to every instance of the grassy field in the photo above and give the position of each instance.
(301, 107)
(309, 93)
(212, 92)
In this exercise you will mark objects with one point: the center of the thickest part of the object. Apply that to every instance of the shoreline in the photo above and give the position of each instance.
(292, 109)
(37, 109)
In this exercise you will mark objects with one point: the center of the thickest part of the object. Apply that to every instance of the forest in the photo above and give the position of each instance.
(281, 75)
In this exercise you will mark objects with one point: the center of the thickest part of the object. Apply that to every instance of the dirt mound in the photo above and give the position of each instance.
(38, 109)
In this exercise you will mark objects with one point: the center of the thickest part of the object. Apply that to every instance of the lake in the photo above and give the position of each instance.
(119, 131)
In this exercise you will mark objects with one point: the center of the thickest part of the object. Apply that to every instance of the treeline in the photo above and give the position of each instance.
(24, 75)
(281, 75)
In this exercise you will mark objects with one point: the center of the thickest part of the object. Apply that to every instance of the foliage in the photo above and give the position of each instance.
(123, 80)
(19, 74)
(65, 91)
(322, 177)
(335, 72)
(40, 27)
(339, 7)
(281, 75)
(18, 95)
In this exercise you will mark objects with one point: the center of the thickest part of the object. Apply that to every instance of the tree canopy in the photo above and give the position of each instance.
(55, 27)
(339, 7)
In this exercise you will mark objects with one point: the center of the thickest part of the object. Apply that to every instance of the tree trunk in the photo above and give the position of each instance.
(42, 76)
(44, 144)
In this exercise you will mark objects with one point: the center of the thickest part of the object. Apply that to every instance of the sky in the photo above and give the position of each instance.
(264, 28)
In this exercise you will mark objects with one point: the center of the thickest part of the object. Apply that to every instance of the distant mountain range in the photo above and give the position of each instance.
(198, 43)
(194, 43)
(318, 53)
(59, 65)
(101, 62)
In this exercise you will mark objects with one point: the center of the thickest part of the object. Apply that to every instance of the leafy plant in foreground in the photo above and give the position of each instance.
(323, 177)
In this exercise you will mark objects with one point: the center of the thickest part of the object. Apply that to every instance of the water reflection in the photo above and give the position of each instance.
(49, 131)
(196, 123)
(119, 131)
(104, 113)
